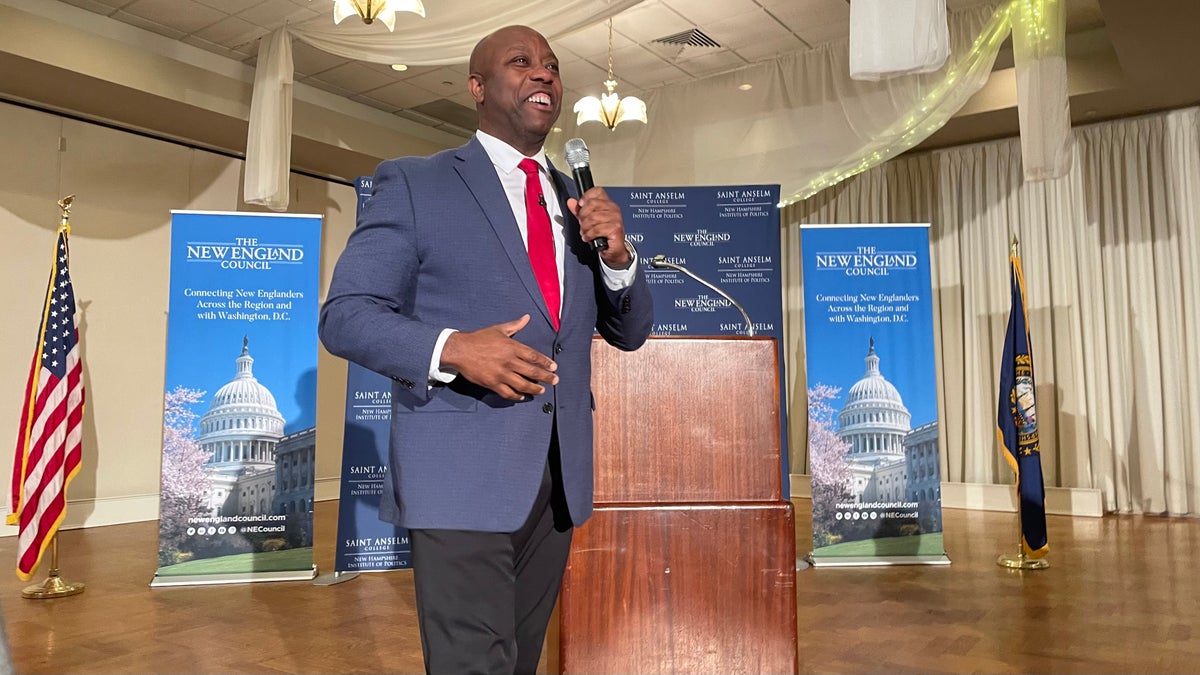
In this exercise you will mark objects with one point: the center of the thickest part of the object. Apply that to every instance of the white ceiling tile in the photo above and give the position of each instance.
(564, 53)
(648, 21)
(592, 42)
(631, 59)
(460, 69)
(210, 47)
(309, 60)
(354, 76)
(228, 6)
(584, 76)
(326, 86)
(96, 6)
(815, 35)
(402, 95)
(465, 99)
(272, 14)
(701, 12)
(185, 16)
(745, 29)
(414, 71)
(246, 49)
(116, 4)
(386, 68)
(374, 103)
(232, 32)
(668, 52)
(800, 13)
(149, 25)
(443, 81)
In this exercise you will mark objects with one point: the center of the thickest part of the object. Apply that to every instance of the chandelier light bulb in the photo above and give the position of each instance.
(610, 109)
(369, 10)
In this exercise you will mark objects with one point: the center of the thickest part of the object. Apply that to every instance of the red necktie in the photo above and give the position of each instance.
(541, 239)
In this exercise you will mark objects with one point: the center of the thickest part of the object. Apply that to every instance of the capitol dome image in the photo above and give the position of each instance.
(874, 423)
(874, 420)
(249, 454)
(242, 424)
(890, 461)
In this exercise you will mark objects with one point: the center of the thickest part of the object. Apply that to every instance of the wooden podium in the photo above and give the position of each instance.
(688, 564)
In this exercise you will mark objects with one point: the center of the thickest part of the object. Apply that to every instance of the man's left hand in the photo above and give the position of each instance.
(600, 216)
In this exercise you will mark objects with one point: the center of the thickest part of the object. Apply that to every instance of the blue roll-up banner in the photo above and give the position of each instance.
(239, 419)
(726, 235)
(364, 542)
(872, 395)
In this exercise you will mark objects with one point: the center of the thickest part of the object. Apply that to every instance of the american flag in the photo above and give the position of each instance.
(48, 447)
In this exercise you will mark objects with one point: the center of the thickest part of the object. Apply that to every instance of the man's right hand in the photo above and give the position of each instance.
(490, 358)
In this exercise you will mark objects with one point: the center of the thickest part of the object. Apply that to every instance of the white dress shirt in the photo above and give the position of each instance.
(505, 160)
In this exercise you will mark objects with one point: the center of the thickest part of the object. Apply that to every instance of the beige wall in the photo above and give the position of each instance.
(125, 186)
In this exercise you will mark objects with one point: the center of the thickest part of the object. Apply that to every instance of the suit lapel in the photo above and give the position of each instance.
(477, 171)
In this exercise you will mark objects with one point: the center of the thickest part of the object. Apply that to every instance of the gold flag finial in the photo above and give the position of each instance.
(1012, 246)
(65, 205)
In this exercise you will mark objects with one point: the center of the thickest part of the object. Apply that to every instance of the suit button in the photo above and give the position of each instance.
(557, 349)
(547, 407)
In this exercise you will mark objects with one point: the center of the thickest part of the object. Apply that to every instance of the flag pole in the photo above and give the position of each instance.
(55, 586)
(1020, 560)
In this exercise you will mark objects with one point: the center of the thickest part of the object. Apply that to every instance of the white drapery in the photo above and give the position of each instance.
(444, 37)
(897, 37)
(1039, 33)
(1111, 256)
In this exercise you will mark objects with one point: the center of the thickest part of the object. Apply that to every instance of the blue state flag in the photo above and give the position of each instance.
(1016, 419)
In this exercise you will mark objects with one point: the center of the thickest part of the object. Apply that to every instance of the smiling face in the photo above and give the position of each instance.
(516, 86)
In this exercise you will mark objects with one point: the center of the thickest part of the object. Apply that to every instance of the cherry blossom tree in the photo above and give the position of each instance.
(827, 462)
(184, 485)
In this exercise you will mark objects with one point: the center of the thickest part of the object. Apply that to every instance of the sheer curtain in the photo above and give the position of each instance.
(804, 123)
(1112, 266)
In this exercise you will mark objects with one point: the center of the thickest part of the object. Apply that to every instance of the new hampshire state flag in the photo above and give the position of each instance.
(1016, 419)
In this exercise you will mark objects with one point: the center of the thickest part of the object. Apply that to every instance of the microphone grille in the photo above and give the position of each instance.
(576, 153)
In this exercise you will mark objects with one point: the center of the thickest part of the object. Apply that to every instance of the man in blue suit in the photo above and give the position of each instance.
(446, 286)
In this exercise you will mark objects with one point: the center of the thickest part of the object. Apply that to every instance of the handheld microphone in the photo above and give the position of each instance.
(660, 262)
(578, 157)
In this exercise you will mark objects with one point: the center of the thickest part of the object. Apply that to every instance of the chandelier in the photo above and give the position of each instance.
(369, 10)
(610, 109)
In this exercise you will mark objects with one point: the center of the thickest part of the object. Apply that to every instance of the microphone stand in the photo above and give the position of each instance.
(660, 261)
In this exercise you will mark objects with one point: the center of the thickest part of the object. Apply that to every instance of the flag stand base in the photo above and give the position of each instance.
(52, 587)
(1022, 562)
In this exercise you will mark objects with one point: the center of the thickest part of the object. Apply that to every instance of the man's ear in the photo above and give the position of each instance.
(475, 86)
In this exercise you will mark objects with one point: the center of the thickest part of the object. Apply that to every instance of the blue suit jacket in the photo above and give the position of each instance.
(437, 247)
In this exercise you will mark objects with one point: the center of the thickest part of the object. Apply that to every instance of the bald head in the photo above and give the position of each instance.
(516, 86)
(482, 56)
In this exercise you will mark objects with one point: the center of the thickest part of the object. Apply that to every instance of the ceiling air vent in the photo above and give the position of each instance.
(690, 38)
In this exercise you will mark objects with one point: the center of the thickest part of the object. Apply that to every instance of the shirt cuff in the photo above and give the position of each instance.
(436, 372)
(618, 280)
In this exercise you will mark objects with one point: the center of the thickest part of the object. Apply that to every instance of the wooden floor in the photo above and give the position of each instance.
(1122, 596)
